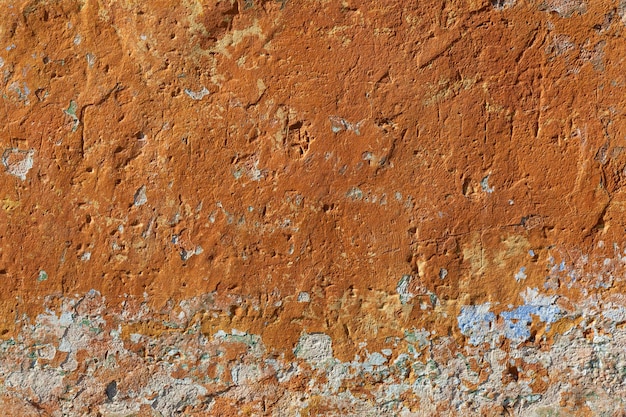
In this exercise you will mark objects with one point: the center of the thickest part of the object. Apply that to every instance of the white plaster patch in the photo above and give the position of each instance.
(66, 319)
(140, 197)
(403, 289)
(521, 274)
(484, 184)
(245, 374)
(614, 312)
(18, 162)
(45, 384)
(375, 359)
(314, 348)
(197, 95)
(47, 352)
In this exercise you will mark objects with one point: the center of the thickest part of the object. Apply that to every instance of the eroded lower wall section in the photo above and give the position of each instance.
(549, 356)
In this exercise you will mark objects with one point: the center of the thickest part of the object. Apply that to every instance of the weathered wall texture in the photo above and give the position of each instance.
(313, 207)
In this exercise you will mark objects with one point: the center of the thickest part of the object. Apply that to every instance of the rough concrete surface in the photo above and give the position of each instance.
(313, 208)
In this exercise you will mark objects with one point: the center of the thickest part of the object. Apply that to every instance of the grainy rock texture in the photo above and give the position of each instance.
(313, 208)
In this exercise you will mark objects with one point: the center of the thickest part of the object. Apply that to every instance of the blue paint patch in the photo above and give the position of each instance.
(517, 322)
(543, 305)
(479, 324)
(476, 322)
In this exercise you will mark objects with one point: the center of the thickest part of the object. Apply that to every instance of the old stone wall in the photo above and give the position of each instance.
(313, 207)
